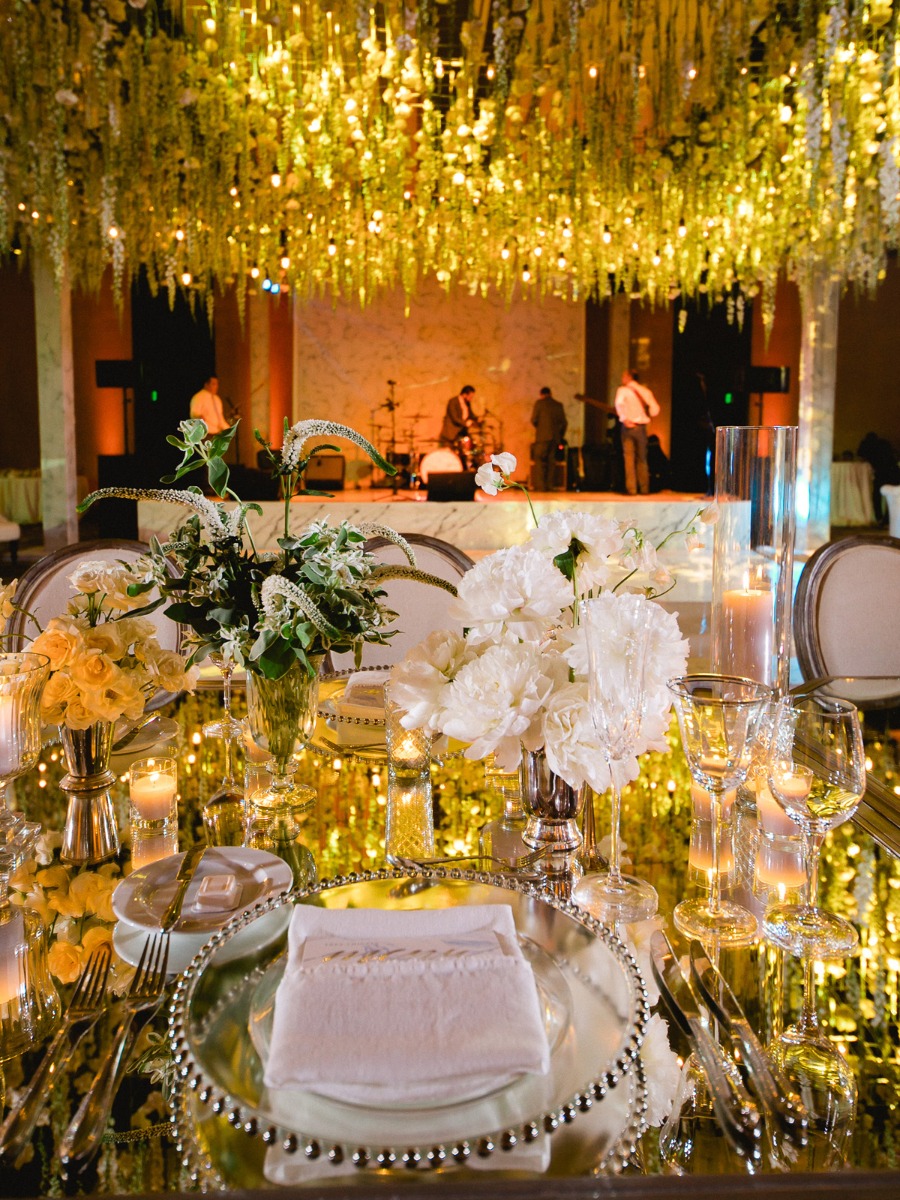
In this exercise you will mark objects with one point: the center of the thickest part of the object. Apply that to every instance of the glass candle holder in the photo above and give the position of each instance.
(753, 553)
(147, 848)
(153, 791)
(408, 750)
(410, 818)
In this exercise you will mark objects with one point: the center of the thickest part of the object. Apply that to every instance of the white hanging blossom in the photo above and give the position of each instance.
(889, 184)
(298, 435)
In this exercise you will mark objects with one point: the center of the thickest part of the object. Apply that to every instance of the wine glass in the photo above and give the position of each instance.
(226, 726)
(822, 1077)
(717, 716)
(817, 774)
(617, 689)
(23, 675)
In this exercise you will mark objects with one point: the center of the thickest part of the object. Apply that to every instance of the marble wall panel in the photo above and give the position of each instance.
(344, 357)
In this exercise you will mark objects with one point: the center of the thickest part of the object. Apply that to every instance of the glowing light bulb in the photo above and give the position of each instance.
(186, 278)
(276, 179)
(254, 272)
(285, 262)
(332, 248)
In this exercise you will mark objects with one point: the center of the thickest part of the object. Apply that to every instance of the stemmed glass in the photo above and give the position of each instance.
(23, 675)
(822, 1076)
(226, 726)
(817, 773)
(617, 690)
(717, 717)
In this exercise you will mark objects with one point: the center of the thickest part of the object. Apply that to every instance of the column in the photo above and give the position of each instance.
(258, 338)
(56, 406)
(819, 297)
(619, 342)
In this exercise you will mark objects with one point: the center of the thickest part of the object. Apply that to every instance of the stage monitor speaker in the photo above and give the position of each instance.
(115, 373)
(762, 380)
(451, 485)
(326, 472)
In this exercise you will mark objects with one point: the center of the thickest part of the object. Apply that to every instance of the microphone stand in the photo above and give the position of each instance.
(391, 405)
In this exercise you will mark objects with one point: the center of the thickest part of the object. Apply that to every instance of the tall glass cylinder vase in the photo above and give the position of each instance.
(753, 553)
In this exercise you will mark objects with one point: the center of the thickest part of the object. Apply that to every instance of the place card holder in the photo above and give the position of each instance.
(753, 553)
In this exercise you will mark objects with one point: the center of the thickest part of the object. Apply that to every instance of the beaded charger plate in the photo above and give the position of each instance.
(585, 1115)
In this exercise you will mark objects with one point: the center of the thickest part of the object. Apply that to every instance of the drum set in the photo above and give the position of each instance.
(416, 457)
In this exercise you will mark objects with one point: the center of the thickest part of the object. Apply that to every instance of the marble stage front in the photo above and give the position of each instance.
(479, 526)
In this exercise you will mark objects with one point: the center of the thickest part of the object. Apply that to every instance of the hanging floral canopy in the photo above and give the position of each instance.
(565, 147)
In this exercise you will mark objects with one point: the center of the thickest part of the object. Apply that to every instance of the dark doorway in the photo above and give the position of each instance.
(174, 353)
(710, 360)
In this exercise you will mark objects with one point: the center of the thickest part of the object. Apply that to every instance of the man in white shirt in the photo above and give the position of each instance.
(635, 405)
(206, 406)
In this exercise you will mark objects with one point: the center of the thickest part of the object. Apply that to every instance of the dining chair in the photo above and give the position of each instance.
(845, 621)
(420, 608)
(44, 591)
(891, 494)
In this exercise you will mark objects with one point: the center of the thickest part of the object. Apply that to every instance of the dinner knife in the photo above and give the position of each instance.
(782, 1107)
(189, 865)
(735, 1111)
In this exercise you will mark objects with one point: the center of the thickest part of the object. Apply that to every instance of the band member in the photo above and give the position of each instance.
(635, 405)
(549, 421)
(459, 422)
(207, 406)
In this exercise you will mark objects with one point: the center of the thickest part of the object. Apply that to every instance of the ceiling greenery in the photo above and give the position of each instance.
(560, 147)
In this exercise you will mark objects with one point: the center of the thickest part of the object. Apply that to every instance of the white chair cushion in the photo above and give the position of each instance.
(856, 615)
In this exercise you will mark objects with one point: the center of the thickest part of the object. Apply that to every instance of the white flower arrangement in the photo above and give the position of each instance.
(105, 660)
(518, 675)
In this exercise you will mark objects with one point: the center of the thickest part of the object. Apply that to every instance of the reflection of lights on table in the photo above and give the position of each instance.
(700, 854)
(9, 756)
(147, 850)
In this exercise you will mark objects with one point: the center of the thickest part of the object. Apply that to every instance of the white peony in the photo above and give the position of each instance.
(598, 538)
(495, 702)
(514, 594)
(570, 740)
(419, 683)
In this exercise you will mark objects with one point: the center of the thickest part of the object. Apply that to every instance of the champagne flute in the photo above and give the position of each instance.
(22, 678)
(817, 774)
(617, 639)
(717, 717)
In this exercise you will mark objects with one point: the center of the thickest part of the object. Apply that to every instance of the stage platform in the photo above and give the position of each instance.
(478, 527)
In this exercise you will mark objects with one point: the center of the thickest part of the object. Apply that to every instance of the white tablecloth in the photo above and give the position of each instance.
(851, 494)
(20, 496)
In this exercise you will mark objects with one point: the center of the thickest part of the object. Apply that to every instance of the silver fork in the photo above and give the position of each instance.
(83, 1010)
(82, 1138)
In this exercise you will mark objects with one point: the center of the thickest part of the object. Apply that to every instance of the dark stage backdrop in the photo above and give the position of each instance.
(710, 361)
(174, 354)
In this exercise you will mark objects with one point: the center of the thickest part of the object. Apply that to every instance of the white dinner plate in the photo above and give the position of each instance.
(151, 736)
(142, 898)
(129, 940)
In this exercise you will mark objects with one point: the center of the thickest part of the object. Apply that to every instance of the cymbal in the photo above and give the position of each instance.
(416, 416)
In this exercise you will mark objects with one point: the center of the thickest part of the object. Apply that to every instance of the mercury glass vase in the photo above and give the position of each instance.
(90, 834)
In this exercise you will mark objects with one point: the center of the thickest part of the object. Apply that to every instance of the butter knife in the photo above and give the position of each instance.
(783, 1109)
(189, 865)
(735, 1111)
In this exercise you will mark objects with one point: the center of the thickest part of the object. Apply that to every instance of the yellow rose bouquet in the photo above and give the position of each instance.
(105, 660)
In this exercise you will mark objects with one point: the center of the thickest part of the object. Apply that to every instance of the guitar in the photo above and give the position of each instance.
(594, 403)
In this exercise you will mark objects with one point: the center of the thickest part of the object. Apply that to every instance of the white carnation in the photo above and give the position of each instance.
(495, 702)
(419, 683)
(514, 593)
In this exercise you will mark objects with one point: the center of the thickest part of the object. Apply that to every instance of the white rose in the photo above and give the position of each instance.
(89, 576)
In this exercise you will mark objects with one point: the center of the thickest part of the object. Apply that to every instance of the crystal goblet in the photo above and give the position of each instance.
(23, 675)
(717, 716)
(817, 774)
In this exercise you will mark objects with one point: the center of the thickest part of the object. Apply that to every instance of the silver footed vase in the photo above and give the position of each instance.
(91, 833)
(552, 807)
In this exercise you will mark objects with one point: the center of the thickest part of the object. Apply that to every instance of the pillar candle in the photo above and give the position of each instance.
(12, 947)
(701, 804)
(780, 861)
(748, 618)
(700, 852)
(9, 753)
(772, 816)
(153, 796)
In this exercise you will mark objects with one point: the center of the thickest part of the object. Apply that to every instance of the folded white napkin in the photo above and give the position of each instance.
(387, 1007)
(357, 717)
